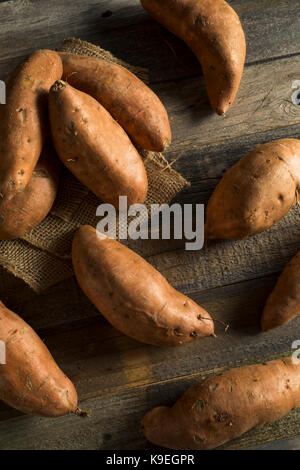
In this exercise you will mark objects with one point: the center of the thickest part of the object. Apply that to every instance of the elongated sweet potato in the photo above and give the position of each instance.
(132, 104)
(213, 31)
(224, 407)
(30, 380)
(256, 192)
(133, 296)
(94, 146)
(23, 119)
(284, 302)
(27, 209)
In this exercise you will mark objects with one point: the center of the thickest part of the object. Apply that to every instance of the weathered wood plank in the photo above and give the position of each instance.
(101, 361)
(116, 376)
(115, 422)
(262, 104)
(282, 444)
(66, 303)
(203, 166)
(272, 29)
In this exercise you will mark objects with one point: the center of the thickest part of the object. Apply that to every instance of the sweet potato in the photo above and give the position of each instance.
(132, 104)
(31, 381)
(23, 119)
(94, 146)
(256, 192)
(27, 209)
(224, 407)
(213, 31)
(133, 296)
(284, 302)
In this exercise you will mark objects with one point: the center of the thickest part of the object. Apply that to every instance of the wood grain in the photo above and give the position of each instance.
(117, 377)
(272, 29)
(115, 423)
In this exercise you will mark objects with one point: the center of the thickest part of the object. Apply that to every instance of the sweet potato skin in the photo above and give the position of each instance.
(23, 119)
(224, 407)
(133, 296)
(31, 381)
(256, 192)
(94, 146)
(131, 103)
(27, 209)
(284, 302)
(212, 30)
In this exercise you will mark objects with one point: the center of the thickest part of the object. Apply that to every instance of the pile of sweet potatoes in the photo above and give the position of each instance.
(95, 116)
(94, 127)
(90, 129)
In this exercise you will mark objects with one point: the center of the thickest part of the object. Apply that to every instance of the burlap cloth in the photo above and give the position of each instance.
(42, 258)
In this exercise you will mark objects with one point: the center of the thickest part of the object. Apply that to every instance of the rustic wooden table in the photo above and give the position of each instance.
(118, 378)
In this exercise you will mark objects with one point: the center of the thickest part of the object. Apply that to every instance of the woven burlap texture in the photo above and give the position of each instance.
(43, 257)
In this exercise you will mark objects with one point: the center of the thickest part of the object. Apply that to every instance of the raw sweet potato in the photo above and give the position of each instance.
(213, 31)
(132, 104)
(23, 119)
(256, 192)
(284, 302)
(28, 208)
(94, 146)
(133, 296)
(224, 407)
(30, 380)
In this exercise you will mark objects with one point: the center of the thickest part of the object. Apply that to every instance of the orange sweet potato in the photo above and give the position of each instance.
(213, 31)
(28, 208)
(94, 146)
(284, 302)
(226, 406)
(23, 119)
(256, 192)
(133, 296)
(31, 381)
(132, 103)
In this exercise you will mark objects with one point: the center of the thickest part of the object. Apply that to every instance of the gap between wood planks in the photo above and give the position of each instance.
(247, 64)
(194, 376)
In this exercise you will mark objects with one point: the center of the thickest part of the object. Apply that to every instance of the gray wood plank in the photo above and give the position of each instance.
(282, 444)
(116, 376)
(263, 103)
(115, 423)
(272, 29)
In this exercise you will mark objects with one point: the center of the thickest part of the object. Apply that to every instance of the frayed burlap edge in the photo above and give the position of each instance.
(79, 47)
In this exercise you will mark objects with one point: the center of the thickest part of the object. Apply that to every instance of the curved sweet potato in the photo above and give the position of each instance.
(132, 103)
(256, 192)
(212, 30)
(94, 146)
(284, 302)
(31, 381)
(224, 407)
(133, 296)
(23, 119)
(27, 209)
